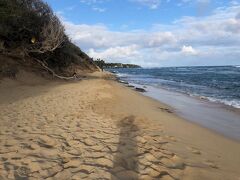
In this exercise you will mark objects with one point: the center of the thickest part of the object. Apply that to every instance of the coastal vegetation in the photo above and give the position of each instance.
(103, 64)
(32, 35)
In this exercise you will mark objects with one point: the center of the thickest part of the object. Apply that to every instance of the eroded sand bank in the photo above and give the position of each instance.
(99, 129)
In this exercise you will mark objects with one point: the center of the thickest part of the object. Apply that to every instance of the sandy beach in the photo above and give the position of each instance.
(97, 128)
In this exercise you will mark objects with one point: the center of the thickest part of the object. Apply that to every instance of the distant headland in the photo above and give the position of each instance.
(103, 64)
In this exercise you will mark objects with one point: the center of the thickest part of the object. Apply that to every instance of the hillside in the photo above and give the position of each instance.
(103, 64)
(32, 38)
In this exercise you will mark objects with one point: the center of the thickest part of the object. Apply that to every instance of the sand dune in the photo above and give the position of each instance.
(99, 129)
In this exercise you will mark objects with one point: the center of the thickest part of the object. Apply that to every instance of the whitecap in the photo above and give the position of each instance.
(233, 103)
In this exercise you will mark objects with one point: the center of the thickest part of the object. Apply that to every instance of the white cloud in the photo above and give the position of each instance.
(91, 2)
(94, 4)
(115, 53)
(160, 39)
(188, 50)
(99, 36)
(152, 4)
(234, 2)
(101, 10)
(197, 1)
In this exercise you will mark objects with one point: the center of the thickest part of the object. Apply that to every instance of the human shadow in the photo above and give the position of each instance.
(126, 161)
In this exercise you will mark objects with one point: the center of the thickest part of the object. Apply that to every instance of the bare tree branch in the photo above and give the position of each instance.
(53, 73)
(52, 36)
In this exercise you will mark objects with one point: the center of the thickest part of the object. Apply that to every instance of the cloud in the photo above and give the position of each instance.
(238, 16)
(115, 53)
(188, 50)
(92, 2)
(234, 2)
(219, 29)
(208, 40)
(152, 4)
(99, 36)
(70, 8)
(101, 10)
(157, 39)
(197, 1)
(232, 26)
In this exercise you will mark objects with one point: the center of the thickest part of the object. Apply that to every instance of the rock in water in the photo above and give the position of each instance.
(140, 89)
(123, 82)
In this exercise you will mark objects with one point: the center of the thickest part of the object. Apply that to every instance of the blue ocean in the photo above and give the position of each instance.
(218, 84)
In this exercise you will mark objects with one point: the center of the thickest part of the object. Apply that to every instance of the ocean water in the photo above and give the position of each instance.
(217, 84)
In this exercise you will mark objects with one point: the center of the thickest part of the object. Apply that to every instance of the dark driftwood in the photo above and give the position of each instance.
(140, 89)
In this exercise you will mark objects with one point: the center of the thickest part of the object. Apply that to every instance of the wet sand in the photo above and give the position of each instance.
(220, 118)
(100, 129)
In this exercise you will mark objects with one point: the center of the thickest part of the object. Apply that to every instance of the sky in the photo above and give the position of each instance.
(154, 33)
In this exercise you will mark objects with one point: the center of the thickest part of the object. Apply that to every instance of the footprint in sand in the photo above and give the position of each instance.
(211, 164)
(194, 150)
(173, 163)
(46, 141)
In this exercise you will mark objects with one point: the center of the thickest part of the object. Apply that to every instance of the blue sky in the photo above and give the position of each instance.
(154, 32)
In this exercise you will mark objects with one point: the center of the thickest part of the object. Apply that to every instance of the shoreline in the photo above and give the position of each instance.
(198, 97)
(192, 89)
(100, 128)
(215, 122)
(194, 107)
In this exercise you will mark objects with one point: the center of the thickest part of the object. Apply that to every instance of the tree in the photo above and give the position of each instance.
(29, 30)
(30, 25)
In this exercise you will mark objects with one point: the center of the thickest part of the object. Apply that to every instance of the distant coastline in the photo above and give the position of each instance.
(102, 64)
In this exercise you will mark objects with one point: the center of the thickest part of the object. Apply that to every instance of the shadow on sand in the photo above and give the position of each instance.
(125, 161)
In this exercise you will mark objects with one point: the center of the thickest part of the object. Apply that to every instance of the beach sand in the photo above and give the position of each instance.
(99, 129)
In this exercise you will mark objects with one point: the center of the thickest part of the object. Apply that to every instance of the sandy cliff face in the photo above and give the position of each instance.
(12, 66)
